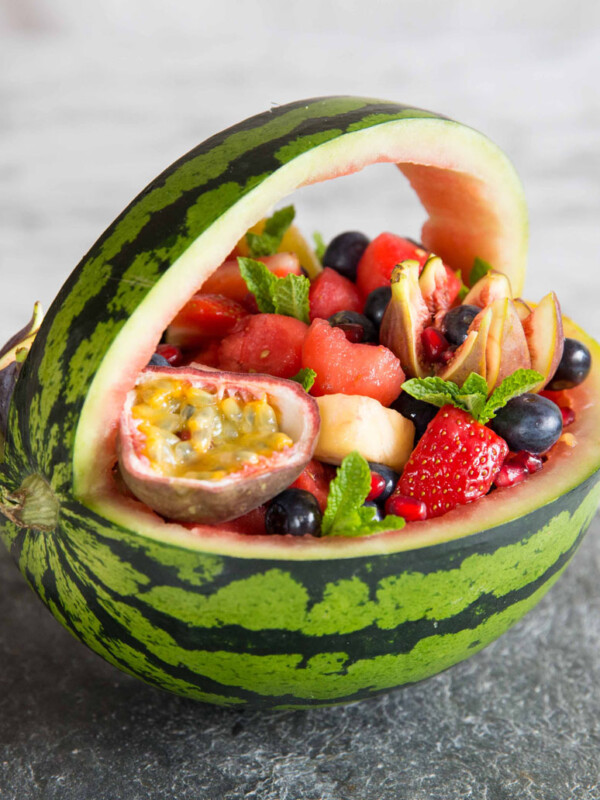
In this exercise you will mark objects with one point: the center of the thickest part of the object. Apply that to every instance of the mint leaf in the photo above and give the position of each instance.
(347, 492)
(478, 270)
(345, 514)
(473, 394)
(267, 242)
(260, 281)
(320, 245)
(521, 381)
(306, 377)
(474, 384)
(290, 296)
(436, 391)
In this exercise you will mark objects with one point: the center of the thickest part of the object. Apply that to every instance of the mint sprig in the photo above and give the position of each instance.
(305, 377)
(287, 295)
(320, 245)
(472, 395)
(345, 514)
(479, 269)
(267, 242)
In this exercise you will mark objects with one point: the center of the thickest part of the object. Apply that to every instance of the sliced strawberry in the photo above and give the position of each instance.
(455, 462)
(330, 292)
(347, 368)
(268, 343)
(315, 479)
(204, 316)
(227, 279)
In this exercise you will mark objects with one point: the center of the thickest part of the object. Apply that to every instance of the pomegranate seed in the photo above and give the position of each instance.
(529, 461)
(171, 353)
(434, 344)
(410, 508)
(510, 474)
(378, 484)
(568, 415)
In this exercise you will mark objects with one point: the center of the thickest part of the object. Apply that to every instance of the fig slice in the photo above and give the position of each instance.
(470, 356)
(507, 349)
(434, 286)
(405, 318)
(193, 470)
(545, 338)
(493, 286)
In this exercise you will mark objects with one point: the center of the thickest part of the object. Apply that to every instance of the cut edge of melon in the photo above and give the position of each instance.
(464, 157)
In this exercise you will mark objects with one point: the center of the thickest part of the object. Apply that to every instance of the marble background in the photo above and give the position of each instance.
(97, 98)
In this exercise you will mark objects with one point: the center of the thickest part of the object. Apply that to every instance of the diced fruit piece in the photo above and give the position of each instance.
(246, 439)
(506, 349)
(204, 316)
(269, 343)
(434, 344)
(330, 293)
(351, 422)
(344, 252)
(376, 304)
(381, 256)
(455, 462)
(528, 422)
(439, 285)
(383, 482)
(227, 280)
(573, 368)
(353, 369)
(315, 478)
(493, 286)
(171, 353)
(405, 319)
(357, 327)
(412, 509)
(294, 512)
(545, 338)
(418, 412)
(471, 355)
(457, 321)
(511, 473)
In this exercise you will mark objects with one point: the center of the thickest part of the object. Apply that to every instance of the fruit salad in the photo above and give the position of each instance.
(426, 394)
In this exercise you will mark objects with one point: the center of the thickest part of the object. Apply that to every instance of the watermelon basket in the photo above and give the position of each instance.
(272, 621)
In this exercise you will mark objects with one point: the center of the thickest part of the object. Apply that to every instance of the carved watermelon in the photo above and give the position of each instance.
(230, 618)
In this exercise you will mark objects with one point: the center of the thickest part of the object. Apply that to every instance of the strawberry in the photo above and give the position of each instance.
(454, 463)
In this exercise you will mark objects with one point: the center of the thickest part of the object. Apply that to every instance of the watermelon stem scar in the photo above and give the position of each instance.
(34, 505)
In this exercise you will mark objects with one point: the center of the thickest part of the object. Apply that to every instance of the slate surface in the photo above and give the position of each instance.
(519, 721)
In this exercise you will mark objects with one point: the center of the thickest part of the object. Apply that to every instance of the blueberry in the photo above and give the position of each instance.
(376, 304)
(456, 322)
(372, 504)
(158, 361)
(390, 476)
(294, 511)
(574, 366)
(417, 411)
(356, 326)
(344, 252)
(528, 422)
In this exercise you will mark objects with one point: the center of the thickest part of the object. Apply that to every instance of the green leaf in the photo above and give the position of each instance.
(290, 296)
(436, 391)
(479, 269)
(320, 245)
(267, 242)
(521, 381)
(260, 281)
(306, 377)
(347, 492)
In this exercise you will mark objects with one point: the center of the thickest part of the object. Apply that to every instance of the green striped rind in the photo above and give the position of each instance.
(292, 633)
(140, 246)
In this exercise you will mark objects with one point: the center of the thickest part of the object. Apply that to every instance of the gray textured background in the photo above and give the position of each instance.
(95, 99)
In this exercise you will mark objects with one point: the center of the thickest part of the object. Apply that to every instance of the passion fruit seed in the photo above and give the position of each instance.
(190, 432)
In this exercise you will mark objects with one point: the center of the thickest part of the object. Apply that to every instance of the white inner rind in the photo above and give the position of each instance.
(491, 222)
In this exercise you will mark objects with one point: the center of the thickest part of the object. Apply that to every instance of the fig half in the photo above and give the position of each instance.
(205, 446)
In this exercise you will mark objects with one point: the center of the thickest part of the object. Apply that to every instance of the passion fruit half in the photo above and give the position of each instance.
(204, 446)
